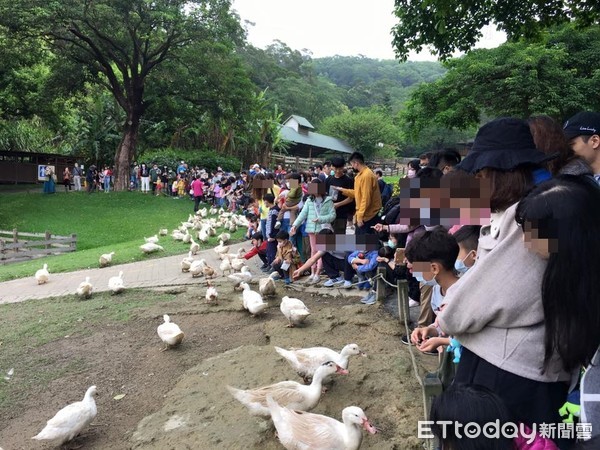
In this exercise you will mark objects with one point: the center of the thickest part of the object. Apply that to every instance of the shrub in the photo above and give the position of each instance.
(208, 160)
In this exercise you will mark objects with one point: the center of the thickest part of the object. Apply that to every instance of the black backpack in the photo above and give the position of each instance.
(391, 210)
(386, 194)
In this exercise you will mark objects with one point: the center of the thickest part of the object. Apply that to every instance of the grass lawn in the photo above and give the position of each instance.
(117, 222)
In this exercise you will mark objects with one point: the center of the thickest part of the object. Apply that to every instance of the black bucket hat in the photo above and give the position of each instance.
(503, 144)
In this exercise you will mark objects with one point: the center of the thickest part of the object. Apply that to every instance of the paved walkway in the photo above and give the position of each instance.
(149, 273)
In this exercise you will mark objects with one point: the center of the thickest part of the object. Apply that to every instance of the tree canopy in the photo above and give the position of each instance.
(520, 79)
(451, 25)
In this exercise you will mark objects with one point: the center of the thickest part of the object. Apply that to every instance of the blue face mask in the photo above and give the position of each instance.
(332, 173)
(460, 266)
(391, 244)
(420, 279)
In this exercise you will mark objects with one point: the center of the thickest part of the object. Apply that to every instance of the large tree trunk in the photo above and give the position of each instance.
(126, 150)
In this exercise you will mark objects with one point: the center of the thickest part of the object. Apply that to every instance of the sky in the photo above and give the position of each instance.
(331, 27)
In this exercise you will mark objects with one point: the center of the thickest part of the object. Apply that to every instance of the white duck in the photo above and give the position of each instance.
(203, 235)
(202, 212)
(85, 288)
(266, 286)
(163, 232)
(305, 361)
(42, 275)
(294, 310)
(211, 293)
(232, 227)
(115, 284)
(287, 393)
(177, 235)
(197, 268)
(194, 246)
(106, 259)
(170, 333)
(186, 262)
(151, 239)
(187, 238)
(225, 266)
(71, 420)
(219, 249)
(150, 247)
(213, 211)
(245, 276)
(225, 237)
(237, 264)
(252, 300)
(239, 255)
(296, 429)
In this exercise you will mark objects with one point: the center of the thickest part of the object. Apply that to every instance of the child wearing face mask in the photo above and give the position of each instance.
(467, 237)
(431, 258)
(293, 196)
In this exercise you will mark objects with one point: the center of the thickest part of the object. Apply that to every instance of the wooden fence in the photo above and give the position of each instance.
(17, 246)
(390, 167)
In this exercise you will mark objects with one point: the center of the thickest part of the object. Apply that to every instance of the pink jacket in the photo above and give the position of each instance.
(197, 188)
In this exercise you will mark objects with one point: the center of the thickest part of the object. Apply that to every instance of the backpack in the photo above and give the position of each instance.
(386, 194)
(391, 209)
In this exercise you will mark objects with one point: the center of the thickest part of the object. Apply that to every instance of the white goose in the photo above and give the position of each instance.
(71, 420)
(244, 276)
(85, 288)
(302, 430)
(252, 300)
(232, 227)
(177, 235)
(170, 333)
(151, 239)
(115, 284)
(106, 259)
(150, 247)
(266, 286)
(194, 246)
(213, 211)
(225, 237)
(186, 262)
(294, 310)
(42, 275)
(187, 237)
(163, 232)
(287, 393)
(305, 361)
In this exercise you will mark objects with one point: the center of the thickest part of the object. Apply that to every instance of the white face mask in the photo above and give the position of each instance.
(287, 184)
(411, 173)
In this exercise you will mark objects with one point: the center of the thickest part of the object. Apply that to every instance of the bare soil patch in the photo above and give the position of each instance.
(177, 399)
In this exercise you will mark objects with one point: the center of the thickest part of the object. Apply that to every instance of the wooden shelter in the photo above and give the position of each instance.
(24, 167)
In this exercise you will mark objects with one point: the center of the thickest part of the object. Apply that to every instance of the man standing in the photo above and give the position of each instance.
(344, 206)
(583, 133)
(365, 193)
(77, 173)
(154, 174)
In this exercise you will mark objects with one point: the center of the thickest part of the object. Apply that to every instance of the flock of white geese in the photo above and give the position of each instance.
(286, 402)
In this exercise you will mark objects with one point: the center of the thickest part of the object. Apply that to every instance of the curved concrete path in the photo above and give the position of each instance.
(149, 273)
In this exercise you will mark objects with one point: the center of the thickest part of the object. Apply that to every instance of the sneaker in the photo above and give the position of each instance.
(413, 303)
(264, 266)
(367, 286)
(314, 279)
(405, 339)
(267, 269)
(332, 282)
(346, 285)
(287, 281)
(277, 225)
(340, 282)
(369, 299)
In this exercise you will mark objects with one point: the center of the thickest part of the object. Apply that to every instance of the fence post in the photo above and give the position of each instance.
(73, 244)
(403, 310)
(380, 288)
(47, 236)
(15, 239)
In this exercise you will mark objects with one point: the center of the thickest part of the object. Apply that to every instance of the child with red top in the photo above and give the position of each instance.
(259, 247)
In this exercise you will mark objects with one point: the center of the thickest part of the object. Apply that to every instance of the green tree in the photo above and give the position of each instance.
(121, 44)
(364, 129)
(450, 25)
(515, 79)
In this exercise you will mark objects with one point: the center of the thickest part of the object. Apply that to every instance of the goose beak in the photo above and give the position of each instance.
(368, 427)
(340, 370)
(363, 354)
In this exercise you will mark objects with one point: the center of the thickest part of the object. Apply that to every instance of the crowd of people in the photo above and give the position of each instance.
(498, 248)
